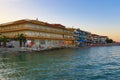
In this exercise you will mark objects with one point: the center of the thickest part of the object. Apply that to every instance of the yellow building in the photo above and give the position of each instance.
(41, 33)
(71, 30)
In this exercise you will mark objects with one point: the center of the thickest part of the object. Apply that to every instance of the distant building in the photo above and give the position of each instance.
(103, 39)
(88, 39)
(82, 38)
(43, 34)
(95, 38)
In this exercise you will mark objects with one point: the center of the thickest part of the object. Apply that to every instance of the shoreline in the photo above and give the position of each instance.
(30, 50)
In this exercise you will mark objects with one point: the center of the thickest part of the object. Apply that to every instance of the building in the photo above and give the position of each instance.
(103, 39)
(95, 38)
(88, 39)
(40, 33)
(70, 31)
(82, 38)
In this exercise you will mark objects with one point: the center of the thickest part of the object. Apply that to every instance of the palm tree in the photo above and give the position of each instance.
(4, 39)
(21, 38)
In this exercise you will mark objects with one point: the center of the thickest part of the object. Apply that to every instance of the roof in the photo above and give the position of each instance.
(70, 29)
(33, 22)
(104, 36)
(95, 35)
(58, 25)
(84, 31)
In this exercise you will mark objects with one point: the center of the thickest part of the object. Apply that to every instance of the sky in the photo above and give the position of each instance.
(96, 16)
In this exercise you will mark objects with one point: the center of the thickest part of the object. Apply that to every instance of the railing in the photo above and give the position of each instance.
(34, 29)
(44, 37)
(54, 38)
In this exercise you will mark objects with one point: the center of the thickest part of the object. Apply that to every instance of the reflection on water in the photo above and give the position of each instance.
(101, 63)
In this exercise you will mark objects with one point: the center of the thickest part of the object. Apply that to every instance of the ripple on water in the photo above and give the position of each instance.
(100, 63)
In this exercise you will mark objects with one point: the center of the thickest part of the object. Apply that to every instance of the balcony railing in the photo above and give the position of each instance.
(44, 37)
(38, 30)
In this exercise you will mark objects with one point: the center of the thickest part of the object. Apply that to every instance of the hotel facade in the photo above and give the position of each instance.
(41, 33)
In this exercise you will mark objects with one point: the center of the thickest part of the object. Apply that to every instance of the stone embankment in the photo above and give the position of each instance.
(26, 49)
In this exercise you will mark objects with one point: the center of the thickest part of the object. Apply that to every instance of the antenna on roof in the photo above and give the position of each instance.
(36, 19)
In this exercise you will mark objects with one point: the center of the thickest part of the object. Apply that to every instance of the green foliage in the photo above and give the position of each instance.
(21, 38)
(109, 40)
(4, 39)
(1, 40)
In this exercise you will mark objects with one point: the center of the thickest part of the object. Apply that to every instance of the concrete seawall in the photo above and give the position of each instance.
(23, 49)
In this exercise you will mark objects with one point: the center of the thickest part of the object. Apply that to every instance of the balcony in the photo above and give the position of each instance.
(38, 30)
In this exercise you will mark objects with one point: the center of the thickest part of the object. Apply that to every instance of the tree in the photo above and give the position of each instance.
(21, 38)
(0, 41)
(4, 39)
(109, 40)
